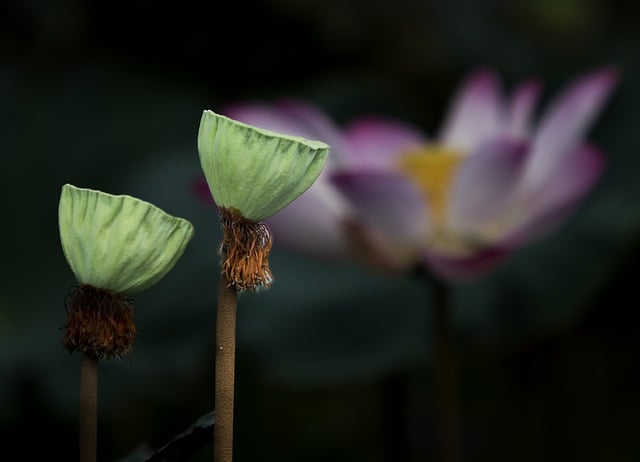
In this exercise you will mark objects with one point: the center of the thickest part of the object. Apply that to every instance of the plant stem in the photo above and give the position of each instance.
(225, 371)
(445, 373)
(88, 408)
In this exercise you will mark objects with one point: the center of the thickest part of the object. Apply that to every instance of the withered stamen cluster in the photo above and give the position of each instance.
(244, 251)
(100, 323)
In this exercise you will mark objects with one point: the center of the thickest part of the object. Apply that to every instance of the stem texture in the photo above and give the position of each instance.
(88, 408)
(225, 371)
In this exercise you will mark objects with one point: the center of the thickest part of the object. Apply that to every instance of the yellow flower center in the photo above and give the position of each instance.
(432, 169)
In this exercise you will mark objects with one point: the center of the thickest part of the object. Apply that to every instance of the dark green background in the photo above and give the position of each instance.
(335, 361)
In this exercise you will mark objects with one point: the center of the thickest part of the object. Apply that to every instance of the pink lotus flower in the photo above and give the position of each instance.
(491, 180)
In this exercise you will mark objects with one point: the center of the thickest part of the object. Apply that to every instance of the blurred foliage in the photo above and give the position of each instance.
(108, 95)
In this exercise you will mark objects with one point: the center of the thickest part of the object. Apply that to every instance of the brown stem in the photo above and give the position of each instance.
(446, 373)
(88, 408)
(225, 371)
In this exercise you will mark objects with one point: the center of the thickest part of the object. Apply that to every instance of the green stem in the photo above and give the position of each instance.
(445, 373)
(88, 408)
(225, 372)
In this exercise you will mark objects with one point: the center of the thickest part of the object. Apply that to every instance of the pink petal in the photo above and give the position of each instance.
(566, 122)
(200, 189)
(475, 114)
(465, 269)
(312, 225)
(546, 211)
(563, 190)
(484, 183)
(391, 209)
(520, 111)
(378, 142)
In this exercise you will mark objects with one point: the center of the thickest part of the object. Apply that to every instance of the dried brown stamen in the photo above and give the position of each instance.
(100, 323)
(244, 251)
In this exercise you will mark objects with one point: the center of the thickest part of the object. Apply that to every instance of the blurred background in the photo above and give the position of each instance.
(334, 362)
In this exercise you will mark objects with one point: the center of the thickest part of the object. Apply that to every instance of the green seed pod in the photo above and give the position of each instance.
(116, 246)
(254, 171)
(118, 243)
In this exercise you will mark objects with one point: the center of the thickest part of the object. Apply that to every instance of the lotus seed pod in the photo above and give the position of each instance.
(116, 246)
(254, 171)
(118, 243)
(252, 174)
